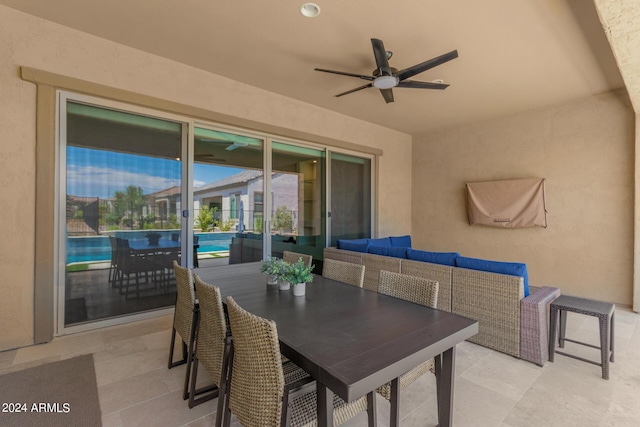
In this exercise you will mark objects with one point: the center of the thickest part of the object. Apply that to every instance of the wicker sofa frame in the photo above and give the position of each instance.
(508, 322)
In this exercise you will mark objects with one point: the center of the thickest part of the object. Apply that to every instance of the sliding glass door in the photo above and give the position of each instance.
(351, 197)
(122, 202)
(228, 197)
(140, 189)
(298, 206)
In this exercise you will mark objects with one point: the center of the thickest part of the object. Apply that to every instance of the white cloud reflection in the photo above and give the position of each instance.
(91, 181)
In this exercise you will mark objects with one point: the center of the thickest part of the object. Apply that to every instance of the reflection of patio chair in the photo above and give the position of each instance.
(113, 268)
(129, 263)
(195, 251)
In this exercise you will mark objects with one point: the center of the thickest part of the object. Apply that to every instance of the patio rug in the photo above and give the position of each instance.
(61, 393)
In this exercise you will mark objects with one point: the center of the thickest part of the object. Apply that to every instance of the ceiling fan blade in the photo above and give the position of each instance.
(381, 57)
(422, 85)
(353, 90)
(342, 73)
(387, 94)
(426, 65)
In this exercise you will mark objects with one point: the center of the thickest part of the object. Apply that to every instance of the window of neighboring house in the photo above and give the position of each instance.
(235, 205)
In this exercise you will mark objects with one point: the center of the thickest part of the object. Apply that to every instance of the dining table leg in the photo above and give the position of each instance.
(395, 402)
(325, 405)
(445, 376)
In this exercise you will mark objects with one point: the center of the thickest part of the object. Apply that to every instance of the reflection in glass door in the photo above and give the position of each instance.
(297, 200)
(350, 197)
(227, 191)
(121, 228)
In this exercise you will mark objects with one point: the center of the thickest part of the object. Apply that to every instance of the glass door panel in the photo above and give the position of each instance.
(297, 200)
(227, 192)
(122, 204)
(350, 197)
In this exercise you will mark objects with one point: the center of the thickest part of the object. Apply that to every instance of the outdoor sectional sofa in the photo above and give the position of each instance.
(508, 321)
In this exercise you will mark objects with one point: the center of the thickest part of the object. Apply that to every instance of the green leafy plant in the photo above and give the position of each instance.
(282, 219)
(298, 272)
(273, 266)
(204, 221)
(225, 225)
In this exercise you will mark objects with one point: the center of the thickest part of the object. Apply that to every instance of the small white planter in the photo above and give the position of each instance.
(272, 279)
(299, 289)
(284, 285)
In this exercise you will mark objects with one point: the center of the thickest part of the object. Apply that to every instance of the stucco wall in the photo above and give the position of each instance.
(32, 42)
(584, 149)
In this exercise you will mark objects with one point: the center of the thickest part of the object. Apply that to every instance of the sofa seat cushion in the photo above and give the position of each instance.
(401, 241)
(388, 251)
(442, 258)
(510, 268)
(361, 245)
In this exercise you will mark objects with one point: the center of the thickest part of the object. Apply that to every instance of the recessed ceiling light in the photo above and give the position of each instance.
(310, 10)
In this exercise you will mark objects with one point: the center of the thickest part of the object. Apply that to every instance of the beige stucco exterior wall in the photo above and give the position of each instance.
(584, 149)
(32, 42)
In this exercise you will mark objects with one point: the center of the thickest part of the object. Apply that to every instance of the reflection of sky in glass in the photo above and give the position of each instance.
(99, 173)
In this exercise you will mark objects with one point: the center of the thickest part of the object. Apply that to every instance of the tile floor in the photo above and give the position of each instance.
(491, 389)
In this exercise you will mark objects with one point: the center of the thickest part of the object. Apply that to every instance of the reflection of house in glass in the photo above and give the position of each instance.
(163, 204)
(244, 191)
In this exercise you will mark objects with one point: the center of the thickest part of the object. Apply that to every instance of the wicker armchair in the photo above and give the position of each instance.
(212, 348)
(185, 318)
(420, 291)
(260, 393)
(292, 257)
(345, 272)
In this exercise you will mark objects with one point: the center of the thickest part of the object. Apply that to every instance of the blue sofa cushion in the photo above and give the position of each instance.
(383, 241)
(340, 243)
(349, 245)
(388, 251)
(444, 258)
(400, 241)
(510, 268)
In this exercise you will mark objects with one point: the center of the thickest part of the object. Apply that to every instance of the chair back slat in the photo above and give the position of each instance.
(409, 288)
(185, 301)
(293, 257)
(257, 379)
(345, 272)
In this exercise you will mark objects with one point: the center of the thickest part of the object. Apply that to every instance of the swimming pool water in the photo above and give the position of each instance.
(98, 248)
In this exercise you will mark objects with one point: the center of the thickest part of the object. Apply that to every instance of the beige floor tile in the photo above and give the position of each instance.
(84, 343)
(167, 410)
(475, 405)
(111, 420)
(131, 365)
(161, 339)
(136, 329)
(504, 374)
(117, 349)
(131, 391)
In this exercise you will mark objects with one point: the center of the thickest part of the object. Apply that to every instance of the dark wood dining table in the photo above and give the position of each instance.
(349, 339)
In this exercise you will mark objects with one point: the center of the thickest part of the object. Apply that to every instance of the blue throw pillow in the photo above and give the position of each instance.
(384, 241)
(444, 258)
(510, 268)
(388, 251)
(357, 247)
(401, 241)
(340, 243)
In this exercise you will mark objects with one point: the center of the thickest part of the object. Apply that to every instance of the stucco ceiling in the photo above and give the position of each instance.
(514, 55)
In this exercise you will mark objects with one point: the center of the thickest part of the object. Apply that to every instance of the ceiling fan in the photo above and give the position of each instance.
(386, 78)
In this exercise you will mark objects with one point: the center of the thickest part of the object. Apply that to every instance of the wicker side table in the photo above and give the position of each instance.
(604, 311)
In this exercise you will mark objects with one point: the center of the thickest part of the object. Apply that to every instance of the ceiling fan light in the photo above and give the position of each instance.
(385, 82)
(310, 10)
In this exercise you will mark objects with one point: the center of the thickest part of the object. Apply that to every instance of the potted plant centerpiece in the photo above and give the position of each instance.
(272, 267)
(298, 274)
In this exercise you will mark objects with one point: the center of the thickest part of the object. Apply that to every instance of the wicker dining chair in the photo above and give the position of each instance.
(420, 291)
(345, 272)
(260, 393)
(212, 348)
(185, 319)
(293, 257)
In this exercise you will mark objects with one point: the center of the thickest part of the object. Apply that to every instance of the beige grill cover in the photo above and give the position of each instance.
(511, 203)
